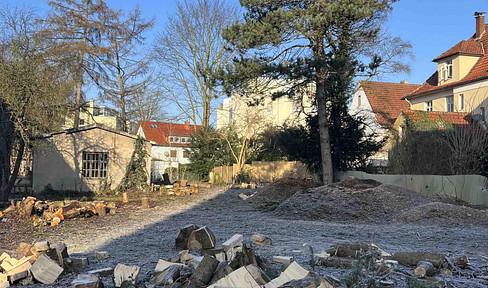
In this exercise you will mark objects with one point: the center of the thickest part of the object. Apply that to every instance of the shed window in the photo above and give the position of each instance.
(428, 105)
(173, 153)
(94, 164)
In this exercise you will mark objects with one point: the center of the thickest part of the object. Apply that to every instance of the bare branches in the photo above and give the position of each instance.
(191, 51)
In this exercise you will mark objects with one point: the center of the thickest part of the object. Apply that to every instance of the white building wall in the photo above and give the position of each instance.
(161, 159)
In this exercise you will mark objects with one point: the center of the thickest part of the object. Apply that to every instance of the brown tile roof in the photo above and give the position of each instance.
(160, 131)
(386, 99)
(438, 118)
(472, 46)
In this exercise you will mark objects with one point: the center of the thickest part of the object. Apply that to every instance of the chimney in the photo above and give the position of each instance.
(187, 125)
(404, 82)
(480, 23)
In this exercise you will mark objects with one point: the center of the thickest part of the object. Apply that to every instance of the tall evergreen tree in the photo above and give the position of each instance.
(301, 41)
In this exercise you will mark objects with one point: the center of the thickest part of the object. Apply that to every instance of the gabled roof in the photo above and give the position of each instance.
(472, 47)
(386, 99)
(160, 131)
(90, 127)
(438, 119)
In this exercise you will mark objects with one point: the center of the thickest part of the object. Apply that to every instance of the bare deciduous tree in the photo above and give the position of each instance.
(78, 27)
(191, 51)
(33, 90)
(125, 69)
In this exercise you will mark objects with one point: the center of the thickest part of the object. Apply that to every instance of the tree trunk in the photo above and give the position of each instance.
(325, 151)
(206, 113)
(8, 185)
(76, 120)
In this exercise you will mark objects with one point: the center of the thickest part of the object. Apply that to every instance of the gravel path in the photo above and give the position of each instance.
(141, 237)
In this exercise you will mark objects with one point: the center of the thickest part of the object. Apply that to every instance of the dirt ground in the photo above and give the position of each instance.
(141, 237)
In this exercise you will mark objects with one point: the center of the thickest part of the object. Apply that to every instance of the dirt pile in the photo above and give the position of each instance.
(367, 200)
(336, 202)
(443, 213)
(271, 195)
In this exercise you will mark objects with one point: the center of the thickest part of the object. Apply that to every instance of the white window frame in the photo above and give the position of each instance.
(450, 103)
(428, 105)
(449, 69)
(461, 102)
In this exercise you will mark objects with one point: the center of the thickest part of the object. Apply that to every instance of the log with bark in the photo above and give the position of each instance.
(423, 269)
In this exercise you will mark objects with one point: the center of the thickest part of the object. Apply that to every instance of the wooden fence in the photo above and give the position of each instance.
(262, 171)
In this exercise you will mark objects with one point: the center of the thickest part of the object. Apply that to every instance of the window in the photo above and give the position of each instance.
(449, 69)
(177, 139)
(461, 102)
(94, 164)
(183, 139)
(82, 122)
(450, 103)
(428, 105)
(359, 100)
(173, 153)
(171, 139)
(154, 125)
(186, 154)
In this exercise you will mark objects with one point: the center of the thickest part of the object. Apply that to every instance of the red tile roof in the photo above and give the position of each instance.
(438, 118)
(472, 46)
(386, 99)
(160, 131)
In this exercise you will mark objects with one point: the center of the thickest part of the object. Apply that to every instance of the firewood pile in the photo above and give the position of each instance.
(200, 262)
(47, 213)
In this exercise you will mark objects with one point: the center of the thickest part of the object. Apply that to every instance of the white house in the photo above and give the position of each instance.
(172, 144)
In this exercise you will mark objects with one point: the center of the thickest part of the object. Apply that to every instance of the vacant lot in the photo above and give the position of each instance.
(140, 237)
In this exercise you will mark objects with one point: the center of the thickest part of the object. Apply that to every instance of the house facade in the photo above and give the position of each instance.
(83, 159)
(460, 82)
(257, 105)
(94, 114)
(171, 144)
(378, 104)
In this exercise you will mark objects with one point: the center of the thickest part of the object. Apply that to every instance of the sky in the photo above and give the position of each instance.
(431, 26)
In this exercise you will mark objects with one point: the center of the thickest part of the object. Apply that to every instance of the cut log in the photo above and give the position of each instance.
(201, 238)
(349, 250)
(41, 246)
(231, 244)
(185, 257)
(243, 258)
(461, 262)
(204, 272)
(261, 240)
(86, 281)
(18, 276)
(46, 270)
(337, 262)
(145, 203)
(424, 269)
(20, 266)
(163, 265)
(181, 241)
(256, 274)
(222, 270)
(166, 277)
(239, 278)
(104, 272)
(101, 209)
(293, 272)
(282, 259)
(412, 258)
(75, 264)
(59, 253)
(125, 273)
(4, 281)
(24, 249)
(101, 255)
(307, 282)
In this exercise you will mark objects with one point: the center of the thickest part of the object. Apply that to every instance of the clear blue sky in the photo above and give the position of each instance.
(431, 26)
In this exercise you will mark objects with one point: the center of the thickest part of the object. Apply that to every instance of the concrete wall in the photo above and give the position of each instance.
(469, 188)
(58, 159)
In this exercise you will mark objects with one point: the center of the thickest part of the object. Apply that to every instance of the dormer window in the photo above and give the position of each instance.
(446, 71)
(154, 126)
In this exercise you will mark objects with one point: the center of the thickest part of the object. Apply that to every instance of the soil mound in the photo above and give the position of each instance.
(446, 213)
(269, 196)
(336, 202)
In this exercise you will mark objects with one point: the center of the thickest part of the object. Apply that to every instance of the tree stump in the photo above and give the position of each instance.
(145, 202)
